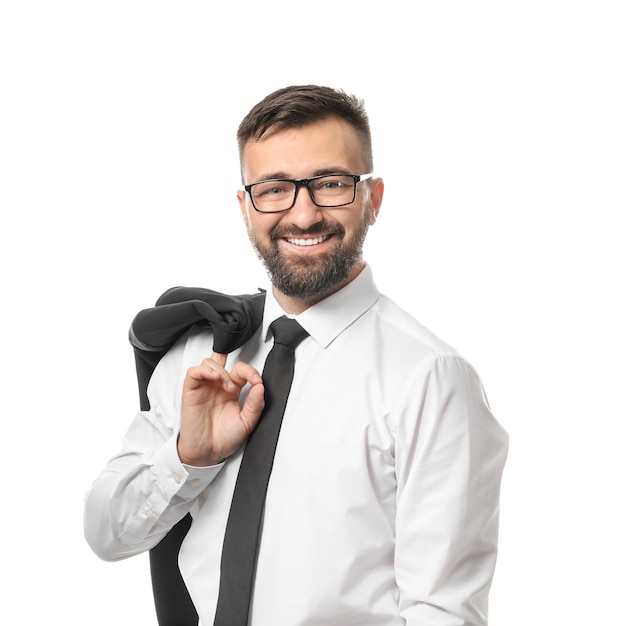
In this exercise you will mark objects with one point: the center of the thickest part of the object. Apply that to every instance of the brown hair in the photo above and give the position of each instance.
(298, 105)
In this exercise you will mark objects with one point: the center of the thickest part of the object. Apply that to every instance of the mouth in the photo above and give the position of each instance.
(307, 241)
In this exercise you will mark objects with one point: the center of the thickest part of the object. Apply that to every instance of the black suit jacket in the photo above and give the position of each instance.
(233, 319)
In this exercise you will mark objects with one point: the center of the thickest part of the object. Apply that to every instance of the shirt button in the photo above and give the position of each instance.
(195, 481)
(177, 478)
(150, 514)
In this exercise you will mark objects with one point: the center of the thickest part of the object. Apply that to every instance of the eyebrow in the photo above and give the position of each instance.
(325, 171)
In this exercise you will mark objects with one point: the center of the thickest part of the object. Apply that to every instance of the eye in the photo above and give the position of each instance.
(332, 185)
(271, 189)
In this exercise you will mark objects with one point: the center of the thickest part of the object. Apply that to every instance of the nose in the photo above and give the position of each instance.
(304, 212)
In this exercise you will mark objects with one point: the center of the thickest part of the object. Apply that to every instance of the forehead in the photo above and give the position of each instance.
(300, 152)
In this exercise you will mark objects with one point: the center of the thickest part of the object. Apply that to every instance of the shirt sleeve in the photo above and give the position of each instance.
(449, 457)
(145, 490)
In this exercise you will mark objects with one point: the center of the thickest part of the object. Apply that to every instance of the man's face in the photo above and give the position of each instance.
(310, 251)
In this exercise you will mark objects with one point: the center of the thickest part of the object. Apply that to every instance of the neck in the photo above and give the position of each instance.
(295, 306)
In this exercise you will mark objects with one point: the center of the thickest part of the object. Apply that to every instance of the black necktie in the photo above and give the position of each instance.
(233, 319)
(242, 531)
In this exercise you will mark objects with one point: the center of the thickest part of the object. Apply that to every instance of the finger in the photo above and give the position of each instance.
(254, 405)
(219, 358)
(197, 375)
(243, 373)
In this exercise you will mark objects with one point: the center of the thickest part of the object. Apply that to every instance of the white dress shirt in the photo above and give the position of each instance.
(382, 507)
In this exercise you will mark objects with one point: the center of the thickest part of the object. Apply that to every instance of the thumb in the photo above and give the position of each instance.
(255, 402)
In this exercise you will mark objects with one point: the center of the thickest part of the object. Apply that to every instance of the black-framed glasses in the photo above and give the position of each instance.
(327, 191)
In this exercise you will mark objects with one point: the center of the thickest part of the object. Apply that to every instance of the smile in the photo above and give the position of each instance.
(307, 242)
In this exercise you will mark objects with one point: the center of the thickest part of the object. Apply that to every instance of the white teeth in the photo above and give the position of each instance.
(307, 242)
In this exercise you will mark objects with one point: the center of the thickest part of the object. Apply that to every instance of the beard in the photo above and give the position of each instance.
(309, 276)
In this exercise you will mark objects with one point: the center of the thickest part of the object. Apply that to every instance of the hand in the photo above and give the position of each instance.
(213, 424)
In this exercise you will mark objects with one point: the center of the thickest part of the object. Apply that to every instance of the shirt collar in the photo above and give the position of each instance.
(327, 319)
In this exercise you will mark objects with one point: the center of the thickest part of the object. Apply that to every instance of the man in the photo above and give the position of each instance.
(382, 506)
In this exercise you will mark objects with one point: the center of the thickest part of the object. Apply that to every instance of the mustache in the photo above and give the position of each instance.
(320, 228)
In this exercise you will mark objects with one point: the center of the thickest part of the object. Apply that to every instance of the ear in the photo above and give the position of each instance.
(243, 205)
(377, 193)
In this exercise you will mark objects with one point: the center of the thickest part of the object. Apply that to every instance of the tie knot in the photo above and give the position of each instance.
(287, 332)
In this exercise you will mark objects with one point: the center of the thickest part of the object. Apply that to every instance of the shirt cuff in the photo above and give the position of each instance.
(180, 480)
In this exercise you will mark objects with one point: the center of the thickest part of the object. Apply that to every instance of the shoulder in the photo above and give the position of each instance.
(400, 328)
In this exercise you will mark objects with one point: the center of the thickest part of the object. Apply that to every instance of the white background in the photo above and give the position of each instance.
(497, 131)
